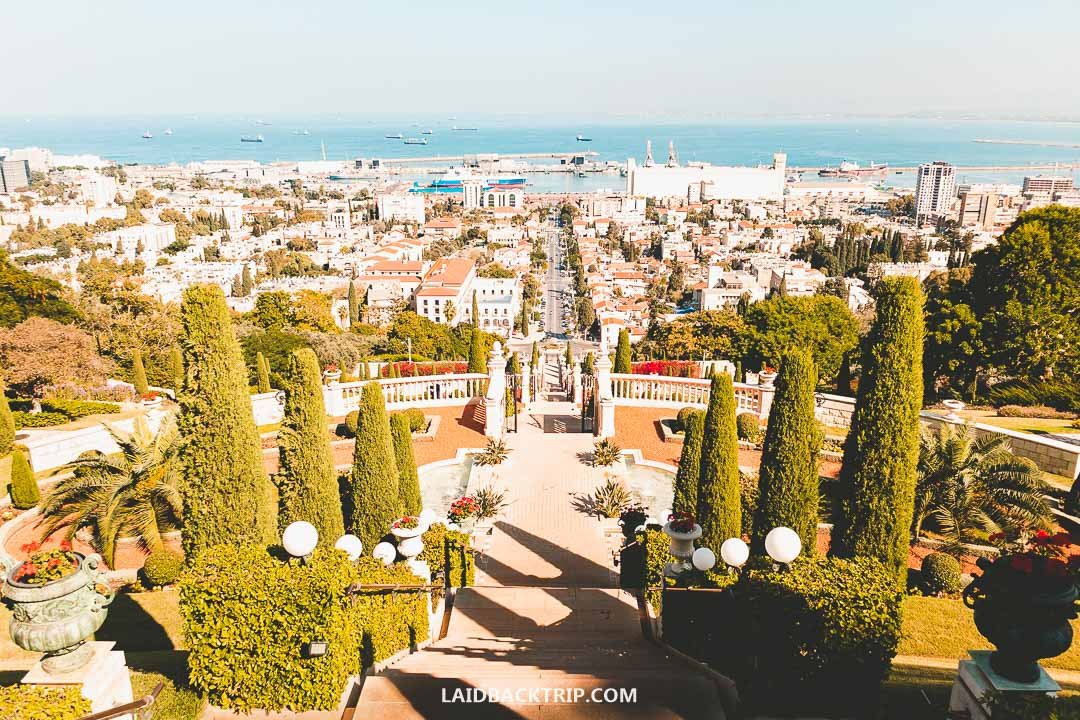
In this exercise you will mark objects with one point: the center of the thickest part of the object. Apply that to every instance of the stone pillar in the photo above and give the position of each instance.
(605, 426)
(495, 400)
(577, 385)
(976, 677)
(768, 392)
(104, 681)
(334, 400)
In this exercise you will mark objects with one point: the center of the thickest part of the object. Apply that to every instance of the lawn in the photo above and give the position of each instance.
(944, 628)
(1035, 426)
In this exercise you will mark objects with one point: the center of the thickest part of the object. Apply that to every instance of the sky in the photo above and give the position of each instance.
(586, 58)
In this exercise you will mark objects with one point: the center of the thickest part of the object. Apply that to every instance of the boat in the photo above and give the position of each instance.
(395, 136)
(415, 141)
(464, 129)
(452, 182)
(852, 170)
(251, 138)
(261, 122)
(426, 132)
(147, 135)
(582, 138)
(168, 131)
(301, 132)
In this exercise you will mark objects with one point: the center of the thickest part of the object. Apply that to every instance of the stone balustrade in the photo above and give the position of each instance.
(679, 392)
(401, 393)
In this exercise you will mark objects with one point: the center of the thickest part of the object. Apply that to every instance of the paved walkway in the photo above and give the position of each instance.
(546, 619)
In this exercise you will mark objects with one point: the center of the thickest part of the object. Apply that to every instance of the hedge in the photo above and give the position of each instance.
(34, 702)
(24, 489)
(941, 573)
(76, 409)
(162, 568)
(816, 639)
(449, 556)
(42, 419)
(247, 615)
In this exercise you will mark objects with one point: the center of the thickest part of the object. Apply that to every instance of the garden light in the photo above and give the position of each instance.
(734, 552)
(350, 545)
(704, 559)
(300, 539)
(386, 552)
(783, 545)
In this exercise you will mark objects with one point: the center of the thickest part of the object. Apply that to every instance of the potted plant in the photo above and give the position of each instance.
(408, 530)
(331, 373)
(495, 453)
(58, 599)
(607, 454)
(683, 530)
(767, 376)
(151, 399)
(1023, 601)
(463, 512)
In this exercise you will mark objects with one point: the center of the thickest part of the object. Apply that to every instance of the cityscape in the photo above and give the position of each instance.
(362, 401)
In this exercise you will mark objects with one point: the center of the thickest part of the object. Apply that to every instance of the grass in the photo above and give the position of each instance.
(1035, 426)
(944, 628)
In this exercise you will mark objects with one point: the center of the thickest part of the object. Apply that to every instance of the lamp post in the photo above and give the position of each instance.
(300, 539)
(783, 546)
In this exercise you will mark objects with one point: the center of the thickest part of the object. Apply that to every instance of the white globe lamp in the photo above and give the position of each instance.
(427, 517)
(734, 552)
(300, 539)
(385, 552)
(350, 545)
(783, 545)
(704, 559)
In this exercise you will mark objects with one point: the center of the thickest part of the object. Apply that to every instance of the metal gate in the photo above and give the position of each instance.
(588, 403)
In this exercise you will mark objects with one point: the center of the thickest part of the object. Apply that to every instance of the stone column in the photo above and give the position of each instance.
(495, 400)
(577, 384)
(104, 680)
(605, 426)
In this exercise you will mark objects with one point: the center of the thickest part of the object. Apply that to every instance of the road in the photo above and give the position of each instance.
(556, 289)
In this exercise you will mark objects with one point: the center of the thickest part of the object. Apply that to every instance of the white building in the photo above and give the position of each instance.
(406, 207)
(935, 189)
(702, 181)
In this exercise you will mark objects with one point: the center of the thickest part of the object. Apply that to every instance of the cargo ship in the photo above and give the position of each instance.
(852, 170)
(452, 183)
(415, 141)
(251, 138)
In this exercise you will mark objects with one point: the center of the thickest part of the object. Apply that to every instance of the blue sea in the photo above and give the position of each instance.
(811, 142)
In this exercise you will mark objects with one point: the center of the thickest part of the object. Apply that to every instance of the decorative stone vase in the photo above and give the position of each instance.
(766, 378)
(57, 618)
(1024, 614)
(410, 543)
(153, 402)
(331, 376)
(682, 547)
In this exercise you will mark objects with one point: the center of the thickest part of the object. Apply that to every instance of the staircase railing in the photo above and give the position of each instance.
(141, 709)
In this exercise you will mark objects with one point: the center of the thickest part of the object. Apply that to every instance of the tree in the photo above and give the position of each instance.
(408, 479)
(273, 310)
(354, 305)
(311, 311)
(477, 359)
(306, 481)
(569, 355)
(376, 499)
(228, 497)
(262, 372)
(449, 312)
(41, 355)
(713, 333)
(130, 494)
(971, 485)
(622, 353)
(24, 489)
(475, 310)
(246, 282)
(24, 294)
(534, 359)
(881, 453)
(686, 479)
(138, 373)
(719, 508)
(788, 478)
(176, 369)
(7, 425)
(824, 324)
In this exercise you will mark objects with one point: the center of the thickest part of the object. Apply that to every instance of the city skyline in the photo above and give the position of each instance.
(559, 60)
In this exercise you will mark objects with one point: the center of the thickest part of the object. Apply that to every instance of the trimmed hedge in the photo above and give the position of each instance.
(34, 702)
(162, 568)
(24, 489)
(748, 426)
(76, 409)
(42, 419)
(247, 615)
(684, 415)
(816, 639)
(449, 556)
(655, 554)
(351, 421)
(941, 574)
(416, 418)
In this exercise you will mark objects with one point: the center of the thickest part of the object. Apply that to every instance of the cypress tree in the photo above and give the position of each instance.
(477, 361)
(24, 489)
(788, 478)
(622, 353)
(739, 375)
(176, 369)
(535, 359)
(513, 365)
(408, 480)
(138, 373)
(354, 306)
(262, 373)
(7, 425)
(374, 479)
(569, 355)
(475, 310)
(246, 284)
(686, 480)
(307, 483)
(881, 453)
(509, 404)
(393, 373)
(227, 495)
(719, 494)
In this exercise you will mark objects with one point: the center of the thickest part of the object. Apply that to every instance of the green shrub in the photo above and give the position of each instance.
(42, 419)
(684, 494)
(1034, 411)
(656, 554)
(749, 494)
(247, 615)
(417, 420)
(35, 702)
(606, 453)
(351, 421)
(7, 426)
(681, 418)
(817, 639)
(373, 483)
(449, 556)
(1059, 394)
(162, 568)
(611, 498)
(76, 409)
(24, 489)
(719, 510)
(748, 426)
(941, 574)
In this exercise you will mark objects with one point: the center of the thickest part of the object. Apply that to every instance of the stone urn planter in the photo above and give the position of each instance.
(57, 617)
(1023, 604)
(410, 540)
(331, 376)
(682, 547)
(766, 378)
(152, 401)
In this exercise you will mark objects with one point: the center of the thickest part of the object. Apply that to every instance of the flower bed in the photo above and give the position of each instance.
(667, 368)
(413, 369)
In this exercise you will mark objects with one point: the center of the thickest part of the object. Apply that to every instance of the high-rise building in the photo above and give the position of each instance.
(978, 209)
(935, 189)
(14, 175)
(1048, 184)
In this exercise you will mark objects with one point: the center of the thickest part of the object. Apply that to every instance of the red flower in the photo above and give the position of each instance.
(1022, 563)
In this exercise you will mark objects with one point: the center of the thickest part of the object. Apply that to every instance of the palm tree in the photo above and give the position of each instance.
(129, 494)
(971, 485)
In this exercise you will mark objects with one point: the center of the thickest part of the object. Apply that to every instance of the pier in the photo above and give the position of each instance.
(467, 158)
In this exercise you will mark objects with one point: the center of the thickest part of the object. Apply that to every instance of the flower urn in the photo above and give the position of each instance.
(410, 541)
(766, 378)
(682, 547)
(152, 401)
(1023, 604)
(57, 617)
(331, 376)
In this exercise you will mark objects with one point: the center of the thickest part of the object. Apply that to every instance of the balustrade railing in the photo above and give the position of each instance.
(429, 391)
(677, 392)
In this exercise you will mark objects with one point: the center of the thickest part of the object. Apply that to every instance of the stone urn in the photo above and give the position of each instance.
(766, 378)
(57, 617)
(1023, 604)
(331, 376)
(410, 541)
(152, 401)
(682, 547)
